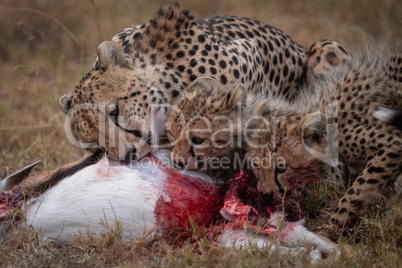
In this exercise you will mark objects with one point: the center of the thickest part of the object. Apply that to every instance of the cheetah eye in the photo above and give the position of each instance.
(221, 142)
(114, 114)
(197, 140)
(255, 166)
(281, 167)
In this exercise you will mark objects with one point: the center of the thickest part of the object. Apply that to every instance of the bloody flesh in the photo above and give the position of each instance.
(11, 201)
(190, 200)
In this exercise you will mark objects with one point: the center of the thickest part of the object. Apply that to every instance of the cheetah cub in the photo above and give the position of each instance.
(351, 117)
(206, 125)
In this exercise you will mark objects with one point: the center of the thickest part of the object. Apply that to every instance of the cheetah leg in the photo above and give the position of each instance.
(378, 177)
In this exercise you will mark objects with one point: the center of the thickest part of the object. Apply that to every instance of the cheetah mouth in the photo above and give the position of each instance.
(111, 159)
(130, 157)
(297, 183)
(248, 202)
(282, 203)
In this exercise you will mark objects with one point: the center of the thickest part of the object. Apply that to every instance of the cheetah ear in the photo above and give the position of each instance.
(111, 54)
(201, 84)
(313, 128)
(65, 102)
(262, 109)
(236, 97)
(207, 83)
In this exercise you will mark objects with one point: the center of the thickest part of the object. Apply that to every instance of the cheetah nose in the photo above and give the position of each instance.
(131, 154)
(269, 194)
(179, 164)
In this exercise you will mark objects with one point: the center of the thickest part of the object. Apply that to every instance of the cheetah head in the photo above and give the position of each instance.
(204, 123)
(279, 152)
(114, 107)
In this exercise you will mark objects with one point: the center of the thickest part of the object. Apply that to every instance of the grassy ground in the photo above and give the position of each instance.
(46, 47)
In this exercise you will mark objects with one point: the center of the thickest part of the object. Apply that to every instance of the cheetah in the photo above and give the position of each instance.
(207, 128)
(352, 117)
(121, 104)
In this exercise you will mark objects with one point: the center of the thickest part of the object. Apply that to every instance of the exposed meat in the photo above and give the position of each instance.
(11, 202)
(191, 200)
(244, 206)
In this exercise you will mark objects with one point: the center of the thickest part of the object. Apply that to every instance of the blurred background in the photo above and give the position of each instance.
(46, 46)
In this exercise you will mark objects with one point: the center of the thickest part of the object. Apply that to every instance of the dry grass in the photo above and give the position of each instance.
(46, 47)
